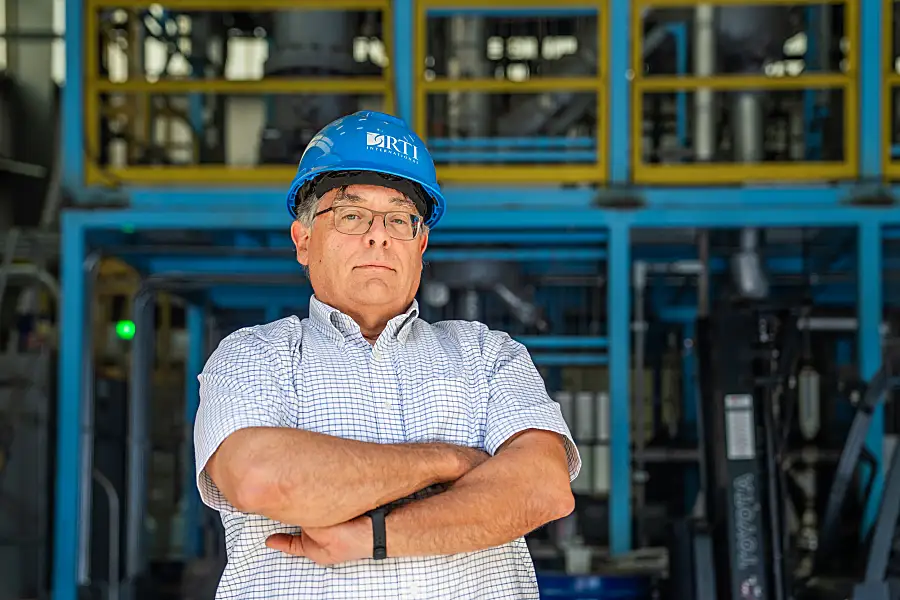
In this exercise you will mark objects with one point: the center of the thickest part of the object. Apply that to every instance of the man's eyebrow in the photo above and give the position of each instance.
(355, 199)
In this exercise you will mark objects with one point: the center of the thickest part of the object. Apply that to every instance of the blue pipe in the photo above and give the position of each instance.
(531, 13)
(439, 237)
(552, 342)
(811, 111)
(69, 403)
(619, 53)
(870, 62)
(569, 360)
(689, 407)
(404, 71)
(870, 313)
(678, 31)
(520, 254)
(619, 329)
(72, 117)
(191, 505)
(502, 156)
(527, 142)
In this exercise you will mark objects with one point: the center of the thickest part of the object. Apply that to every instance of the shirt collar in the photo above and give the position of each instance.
(340, 327)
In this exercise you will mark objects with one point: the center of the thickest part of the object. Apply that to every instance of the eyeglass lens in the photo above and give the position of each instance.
(355, 220)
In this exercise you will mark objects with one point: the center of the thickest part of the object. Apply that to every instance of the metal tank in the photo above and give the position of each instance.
(306, 44)
(746, 37)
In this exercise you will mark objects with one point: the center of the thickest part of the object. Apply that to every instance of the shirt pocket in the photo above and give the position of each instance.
(445, 409)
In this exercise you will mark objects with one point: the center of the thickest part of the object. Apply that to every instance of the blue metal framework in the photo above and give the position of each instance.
(475, 212)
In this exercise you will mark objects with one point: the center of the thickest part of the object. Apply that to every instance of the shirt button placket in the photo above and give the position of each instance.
(381, 374)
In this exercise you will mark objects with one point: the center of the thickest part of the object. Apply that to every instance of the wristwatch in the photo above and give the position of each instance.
(379, 535)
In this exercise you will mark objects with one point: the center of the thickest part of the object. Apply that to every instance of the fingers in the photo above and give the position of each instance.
(284, 542)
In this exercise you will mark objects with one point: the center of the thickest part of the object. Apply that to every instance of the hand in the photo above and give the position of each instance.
(469, 458)
(325, 546)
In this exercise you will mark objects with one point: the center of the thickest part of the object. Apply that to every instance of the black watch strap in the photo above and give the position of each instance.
(379, 534)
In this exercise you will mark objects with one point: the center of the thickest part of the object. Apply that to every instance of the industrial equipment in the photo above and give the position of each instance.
(757, 534)
(698, 116)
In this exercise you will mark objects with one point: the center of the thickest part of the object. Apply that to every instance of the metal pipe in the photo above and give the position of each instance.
(703, 280)
(748, 126)
(704, 98)
(834, 324)
(12, 241)
(678, 267)
(42, 276)
(138, 442)
(112, 497)
(91, 267)
(640, 335)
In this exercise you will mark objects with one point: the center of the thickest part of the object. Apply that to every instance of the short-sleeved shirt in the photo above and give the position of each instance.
(452, 381)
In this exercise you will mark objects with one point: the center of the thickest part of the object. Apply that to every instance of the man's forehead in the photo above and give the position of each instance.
(359, 194)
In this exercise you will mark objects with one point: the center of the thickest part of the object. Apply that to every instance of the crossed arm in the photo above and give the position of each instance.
(324, 483)
(318, 481)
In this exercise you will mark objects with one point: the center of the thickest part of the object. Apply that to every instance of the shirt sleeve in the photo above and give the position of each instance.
(238, 389)
(518, 399)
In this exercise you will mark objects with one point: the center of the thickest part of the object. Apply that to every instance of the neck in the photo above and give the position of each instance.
(371, 320)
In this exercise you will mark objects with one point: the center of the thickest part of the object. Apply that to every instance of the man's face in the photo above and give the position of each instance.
(368, 270)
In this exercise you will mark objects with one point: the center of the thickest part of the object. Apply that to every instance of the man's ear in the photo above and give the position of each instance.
(423, 241)
(300, 236)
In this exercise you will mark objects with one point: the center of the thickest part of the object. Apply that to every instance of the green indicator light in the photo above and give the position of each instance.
(125, 330)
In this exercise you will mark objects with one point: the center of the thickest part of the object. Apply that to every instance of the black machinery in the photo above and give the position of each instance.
(739, 547)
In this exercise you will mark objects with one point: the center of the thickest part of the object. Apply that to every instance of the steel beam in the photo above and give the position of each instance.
(869, 313)
(619, 331)
(71, 382)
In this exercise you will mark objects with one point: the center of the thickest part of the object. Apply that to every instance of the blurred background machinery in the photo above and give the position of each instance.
(614, 168)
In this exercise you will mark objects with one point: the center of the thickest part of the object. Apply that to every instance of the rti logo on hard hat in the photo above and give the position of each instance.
(392, 145)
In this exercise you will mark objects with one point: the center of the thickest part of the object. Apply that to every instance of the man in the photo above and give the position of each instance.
(362, 452)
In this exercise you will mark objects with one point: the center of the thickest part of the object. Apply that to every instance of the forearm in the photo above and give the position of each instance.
(310, 479)
(515, 492)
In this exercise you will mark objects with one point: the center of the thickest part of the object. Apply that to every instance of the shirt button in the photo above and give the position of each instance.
(376, 355)
(387, 403)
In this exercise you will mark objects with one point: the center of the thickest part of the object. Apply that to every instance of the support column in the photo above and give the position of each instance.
(620, 75)
(70, 401)
(689, 408)
(618, 289)
(870, 63)
(72, 113)
(196, 357)
(870, 308)
(404, 69)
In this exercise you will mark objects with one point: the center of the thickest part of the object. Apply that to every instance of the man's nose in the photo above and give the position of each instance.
(377, 234)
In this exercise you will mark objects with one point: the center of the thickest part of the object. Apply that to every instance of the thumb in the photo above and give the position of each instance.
(287, 543)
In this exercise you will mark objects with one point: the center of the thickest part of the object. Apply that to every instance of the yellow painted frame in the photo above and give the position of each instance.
(731, 173)
(487, 174)
(890, 82)
(217, 174)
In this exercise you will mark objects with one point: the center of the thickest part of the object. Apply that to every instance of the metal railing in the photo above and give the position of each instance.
(689, 168)
(138, 95)
(580, 155)
(527, 158)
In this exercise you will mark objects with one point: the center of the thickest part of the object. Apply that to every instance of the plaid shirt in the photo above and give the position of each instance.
(452, 381)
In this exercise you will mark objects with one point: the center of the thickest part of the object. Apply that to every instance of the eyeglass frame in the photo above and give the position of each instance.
(376, 213)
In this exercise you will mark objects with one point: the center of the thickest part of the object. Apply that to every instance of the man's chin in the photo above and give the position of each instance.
(374, 291)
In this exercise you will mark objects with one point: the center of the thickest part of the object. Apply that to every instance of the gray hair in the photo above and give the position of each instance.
(306, 207)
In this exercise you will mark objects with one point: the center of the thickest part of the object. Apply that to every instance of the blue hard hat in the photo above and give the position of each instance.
(371, 142)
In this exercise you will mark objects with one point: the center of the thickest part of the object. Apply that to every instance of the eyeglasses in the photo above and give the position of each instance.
(357, 220)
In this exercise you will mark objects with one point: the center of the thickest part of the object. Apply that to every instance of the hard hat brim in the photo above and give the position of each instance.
(437, 203)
